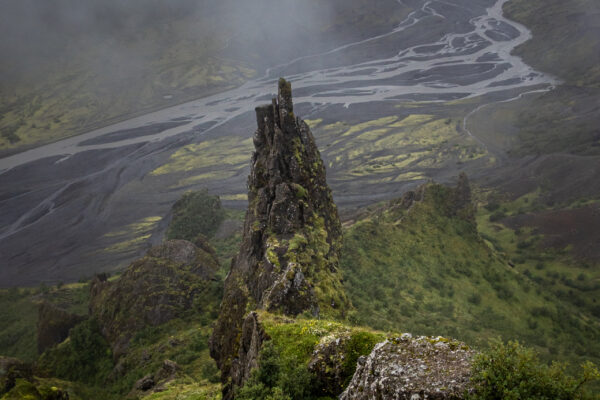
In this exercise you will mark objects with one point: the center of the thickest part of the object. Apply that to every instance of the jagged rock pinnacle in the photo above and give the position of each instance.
(289, 254)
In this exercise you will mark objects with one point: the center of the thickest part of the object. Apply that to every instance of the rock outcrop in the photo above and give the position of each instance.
(289, 254)
(407, 368)
(463, 206)
(168, 371)
(12, 369)
(53, 325)
(450, 202)
(17, 383)
(163, 285)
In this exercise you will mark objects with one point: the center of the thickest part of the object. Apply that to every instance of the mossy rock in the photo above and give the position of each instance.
(305, 358)
(289, 256)
(11, 370)
(174, 279)
(26, 390)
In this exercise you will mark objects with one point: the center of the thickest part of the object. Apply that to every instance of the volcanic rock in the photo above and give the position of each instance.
(291, 240)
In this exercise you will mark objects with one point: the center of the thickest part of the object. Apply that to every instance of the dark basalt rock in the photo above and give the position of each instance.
(463, 206)
(144, 384)
(252, 338)
(156, 382)
(153, 290)
(53, 325)
(291, 240)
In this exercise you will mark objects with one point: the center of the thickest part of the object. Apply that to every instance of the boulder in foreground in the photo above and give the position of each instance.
(412, 369)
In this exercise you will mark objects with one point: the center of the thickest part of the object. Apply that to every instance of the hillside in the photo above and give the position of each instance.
(436, 240)
(419, 268)
(83, 66)
(413, 265)
(302, 313)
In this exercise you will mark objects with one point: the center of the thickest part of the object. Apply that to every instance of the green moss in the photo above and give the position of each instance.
(23, 390)
(301, 192)
(283, 364)
(311, 251)
(272, 257)
(298, 151)
(361, 343)
(285, 88)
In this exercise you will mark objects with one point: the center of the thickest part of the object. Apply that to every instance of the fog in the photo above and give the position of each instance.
(37, 35)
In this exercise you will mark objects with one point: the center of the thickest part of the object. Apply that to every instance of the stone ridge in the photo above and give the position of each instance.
(288, 259)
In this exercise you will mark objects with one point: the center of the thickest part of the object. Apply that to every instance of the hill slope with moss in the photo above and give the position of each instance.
(163, 54)
(417, 266)
(307, 314)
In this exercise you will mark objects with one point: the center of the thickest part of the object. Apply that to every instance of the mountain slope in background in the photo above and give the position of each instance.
(70, 67)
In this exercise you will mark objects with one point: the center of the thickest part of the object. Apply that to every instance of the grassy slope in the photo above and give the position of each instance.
(418, 271)
(423, 272)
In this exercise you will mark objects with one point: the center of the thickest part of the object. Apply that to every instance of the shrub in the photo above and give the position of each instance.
(275, 378)
(497, 216)
(196, 213)
(511, 371)
(540, 266)
(492, 206)
(475, 298)
(84, 357)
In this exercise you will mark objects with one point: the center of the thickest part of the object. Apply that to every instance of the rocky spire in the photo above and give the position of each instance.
(288, 258)
(463, 206)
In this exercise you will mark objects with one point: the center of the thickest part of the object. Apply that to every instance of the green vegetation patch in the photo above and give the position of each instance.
(284, 371)
(511, 371)
(84, 357)
(427, 272)
(569, 283)
(19, 315)
(211, 157)
(195, 213)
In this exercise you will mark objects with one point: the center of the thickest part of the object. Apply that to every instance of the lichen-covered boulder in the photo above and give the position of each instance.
(172, 279)
(407, 368)
(327, 363)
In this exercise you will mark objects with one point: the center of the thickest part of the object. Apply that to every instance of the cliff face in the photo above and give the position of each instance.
(289, 255)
